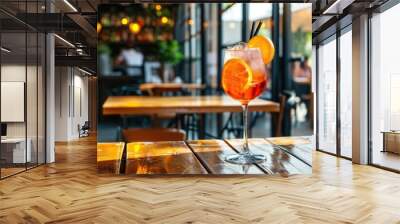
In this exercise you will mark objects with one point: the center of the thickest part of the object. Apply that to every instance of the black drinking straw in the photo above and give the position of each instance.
(258, 28)
(252, 29)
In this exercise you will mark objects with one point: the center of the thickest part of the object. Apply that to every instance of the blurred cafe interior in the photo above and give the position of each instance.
(166, 50)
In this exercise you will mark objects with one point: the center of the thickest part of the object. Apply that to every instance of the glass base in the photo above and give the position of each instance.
(244, 159)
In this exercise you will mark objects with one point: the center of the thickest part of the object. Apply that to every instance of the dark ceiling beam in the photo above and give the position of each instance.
(86, 27)
(79, 19)
(79, 61)
(337, 7)
(46, 22)
(320, 23)
(16, 18)
(91, 5)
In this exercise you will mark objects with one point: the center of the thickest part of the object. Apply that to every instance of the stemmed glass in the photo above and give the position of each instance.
(244, 78)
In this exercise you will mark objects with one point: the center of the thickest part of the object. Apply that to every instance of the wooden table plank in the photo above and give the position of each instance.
(278, 161)
(161, 158)
(212, 153)
(148, 105)
(300, 147)
(109, 156)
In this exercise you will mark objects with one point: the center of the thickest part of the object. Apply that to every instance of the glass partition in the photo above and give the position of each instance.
(22, 90)
(327, 96)
(14, 151)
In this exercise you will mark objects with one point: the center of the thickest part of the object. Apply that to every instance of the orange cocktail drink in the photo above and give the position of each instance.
(244, 78)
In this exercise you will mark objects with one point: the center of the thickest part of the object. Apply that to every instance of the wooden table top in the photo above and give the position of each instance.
(208, 157)
(145, 105)
(161, 158)
(109, 157)
(300, 146)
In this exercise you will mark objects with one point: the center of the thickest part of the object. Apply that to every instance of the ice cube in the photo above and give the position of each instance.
(239, 46)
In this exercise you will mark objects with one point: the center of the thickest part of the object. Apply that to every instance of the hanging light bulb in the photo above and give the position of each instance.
(134, 27)
(158, 7)
(124, 21)
(164, 20)
(99, 27)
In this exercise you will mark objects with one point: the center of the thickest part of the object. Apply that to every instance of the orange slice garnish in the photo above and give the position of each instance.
(237, 77)
(265, 45)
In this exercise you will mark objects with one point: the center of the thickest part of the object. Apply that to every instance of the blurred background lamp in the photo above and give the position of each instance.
(164, 20)
(158, 7)
(134, 27)
(124, 21)
(99, 26)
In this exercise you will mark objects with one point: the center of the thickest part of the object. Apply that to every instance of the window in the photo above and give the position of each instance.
(385, 88)
(327, 96)
(346, 94)
(232, 24)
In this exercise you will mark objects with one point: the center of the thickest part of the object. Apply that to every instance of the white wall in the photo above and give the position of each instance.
(12, 73)
(62, 82)
(71, 102)
(33, 127)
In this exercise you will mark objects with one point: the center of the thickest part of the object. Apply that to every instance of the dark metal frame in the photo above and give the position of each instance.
(369, 101)
(219, 45)
(203, 44)
(339, 32)
(338, 98)
(286, 70)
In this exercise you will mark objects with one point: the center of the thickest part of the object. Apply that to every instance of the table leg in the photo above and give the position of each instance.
(219, 125)
(201, 125)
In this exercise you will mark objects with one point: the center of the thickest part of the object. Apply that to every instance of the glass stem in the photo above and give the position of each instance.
(245, 129)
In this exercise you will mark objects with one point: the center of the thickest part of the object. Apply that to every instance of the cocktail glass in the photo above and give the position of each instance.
(244, 78)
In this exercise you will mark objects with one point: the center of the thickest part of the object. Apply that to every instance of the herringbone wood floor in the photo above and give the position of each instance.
(70, 191)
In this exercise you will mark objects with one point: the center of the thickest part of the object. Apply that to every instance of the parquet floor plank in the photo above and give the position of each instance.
(71, 191)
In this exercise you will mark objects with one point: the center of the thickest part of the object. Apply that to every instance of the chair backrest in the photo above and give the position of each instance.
(86, 125)
(159, 91)
(279, 120)
(153, 134)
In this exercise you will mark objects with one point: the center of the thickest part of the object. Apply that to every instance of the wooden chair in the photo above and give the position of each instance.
(153, 134)
(280, 115)
(167, 88)
(174, 89)
(83, 131)
(162, 89)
